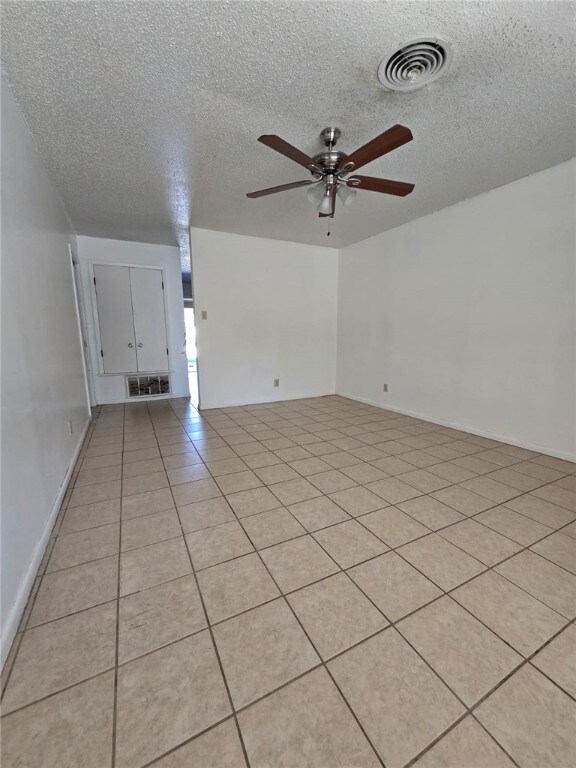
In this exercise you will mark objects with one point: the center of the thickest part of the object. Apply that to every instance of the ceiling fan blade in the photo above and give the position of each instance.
(281, 188)
(391, 139)
(281, 146)
(387, 186)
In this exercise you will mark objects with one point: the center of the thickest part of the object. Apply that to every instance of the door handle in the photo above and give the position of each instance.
(130, 344)
(140, 344)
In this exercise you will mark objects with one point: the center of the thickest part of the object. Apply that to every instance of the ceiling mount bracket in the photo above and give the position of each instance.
(330, 136)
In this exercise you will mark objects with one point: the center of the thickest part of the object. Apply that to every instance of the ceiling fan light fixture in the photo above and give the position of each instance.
(325, 206)
(316, 193)
(346, 195)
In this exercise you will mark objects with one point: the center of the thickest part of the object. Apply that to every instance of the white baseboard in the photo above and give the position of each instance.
(209, 406)
(16, 611)
(121, 400)
(467, 428)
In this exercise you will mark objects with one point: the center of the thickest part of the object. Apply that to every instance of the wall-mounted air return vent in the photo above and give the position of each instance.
(415, 64)
(147, 386)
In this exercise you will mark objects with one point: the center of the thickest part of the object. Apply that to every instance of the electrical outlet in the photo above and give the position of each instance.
(204, 315)
(276, 382)
(70, 428)
(385, 388)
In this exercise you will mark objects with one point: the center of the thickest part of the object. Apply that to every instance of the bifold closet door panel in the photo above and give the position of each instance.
(149, 319)
(115, 320)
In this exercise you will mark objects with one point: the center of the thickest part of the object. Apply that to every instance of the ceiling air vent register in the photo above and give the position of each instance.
(415, 64)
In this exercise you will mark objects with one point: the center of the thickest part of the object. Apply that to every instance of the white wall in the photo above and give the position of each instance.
(271, 314)
(95, 250)
(469, 315)
(43, 386)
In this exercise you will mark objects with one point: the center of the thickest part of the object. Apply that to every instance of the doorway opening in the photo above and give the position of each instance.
(191, 355)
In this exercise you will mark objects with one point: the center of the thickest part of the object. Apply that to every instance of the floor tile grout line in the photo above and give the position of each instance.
(526, 660)
(494, 739)
(464, 716)
(469, 709)
(214, 646)
(322, 662)
(443, 594)
(6, 675)
(354, 408)
(528, 548)
(463, 455)
(362, 562)
(469, 517)
(84, 530)
(480, 621)
(117, 638)
(448, 592)
(53, 694)
(566, 620)
(419, 538)
(547, 676)
(358, 517)
(73, 613)
(495, 504)
(524, 548)
(203, 732)
(466, 516)
(86, 562)
(392, 624)
(371, 462)
(232, 716)
(382, 440)
(240, 613)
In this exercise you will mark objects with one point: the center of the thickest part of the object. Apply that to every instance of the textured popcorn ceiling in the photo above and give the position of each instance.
(147, 113)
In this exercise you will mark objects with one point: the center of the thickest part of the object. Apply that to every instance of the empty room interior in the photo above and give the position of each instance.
(288, 334)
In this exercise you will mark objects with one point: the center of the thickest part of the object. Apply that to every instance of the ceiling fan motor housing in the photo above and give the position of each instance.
(329, 160)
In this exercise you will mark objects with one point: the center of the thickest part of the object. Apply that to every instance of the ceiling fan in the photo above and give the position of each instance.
(331, 168)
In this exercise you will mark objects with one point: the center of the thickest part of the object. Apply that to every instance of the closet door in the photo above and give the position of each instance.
(149, 319)
(117, 341)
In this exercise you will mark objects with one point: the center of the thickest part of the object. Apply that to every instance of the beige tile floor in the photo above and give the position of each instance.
(310, 583)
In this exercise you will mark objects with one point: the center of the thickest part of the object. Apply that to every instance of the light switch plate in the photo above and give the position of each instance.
(204, 314)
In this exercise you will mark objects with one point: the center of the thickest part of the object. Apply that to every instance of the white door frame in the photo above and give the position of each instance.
(81, 319)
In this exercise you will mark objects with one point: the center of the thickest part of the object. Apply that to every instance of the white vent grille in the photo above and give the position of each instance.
(415, 64)
(148, 386)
